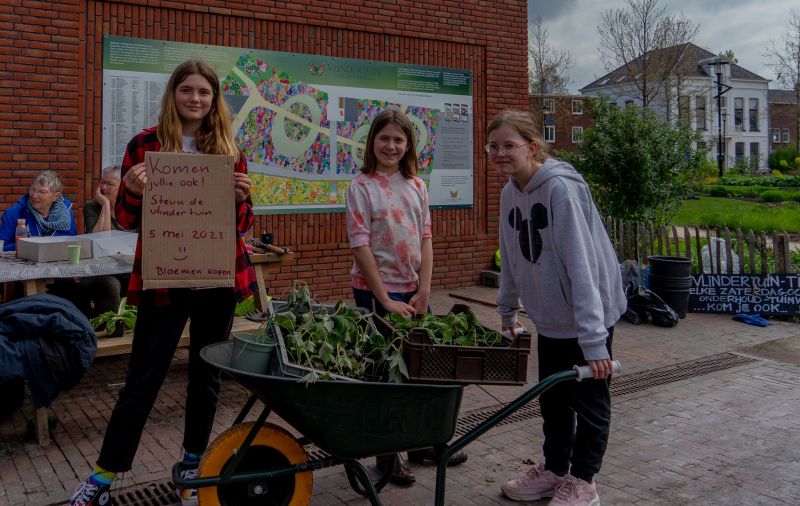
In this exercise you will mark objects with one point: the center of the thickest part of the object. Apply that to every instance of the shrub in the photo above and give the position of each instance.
(784, 159)
(772, 196)
(719, 191)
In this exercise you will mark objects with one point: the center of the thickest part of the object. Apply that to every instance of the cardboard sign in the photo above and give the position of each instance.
(767, 294)
(188, 221)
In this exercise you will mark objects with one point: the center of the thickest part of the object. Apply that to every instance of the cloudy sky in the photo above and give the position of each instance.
(745, 26)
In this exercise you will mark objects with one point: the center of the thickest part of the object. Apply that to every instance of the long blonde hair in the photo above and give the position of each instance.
(214, 137)
(525, 125)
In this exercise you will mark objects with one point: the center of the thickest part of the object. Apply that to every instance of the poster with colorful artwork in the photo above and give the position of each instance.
(301, 120)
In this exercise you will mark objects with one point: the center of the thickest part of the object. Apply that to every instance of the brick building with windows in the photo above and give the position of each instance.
(564, 118)
(51, 63)
(782, 118)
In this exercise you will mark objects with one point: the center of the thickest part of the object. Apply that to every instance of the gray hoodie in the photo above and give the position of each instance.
(556, 256)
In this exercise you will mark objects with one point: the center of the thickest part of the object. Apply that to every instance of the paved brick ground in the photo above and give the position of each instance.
(728, 437)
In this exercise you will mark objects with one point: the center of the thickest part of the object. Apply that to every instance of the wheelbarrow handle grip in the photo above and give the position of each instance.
(584, 371)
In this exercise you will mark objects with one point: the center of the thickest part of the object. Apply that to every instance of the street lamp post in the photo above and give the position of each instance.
(718, 62)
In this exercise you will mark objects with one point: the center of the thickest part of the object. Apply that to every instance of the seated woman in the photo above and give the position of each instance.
(47, 213)
(104, 292)
(44, 209)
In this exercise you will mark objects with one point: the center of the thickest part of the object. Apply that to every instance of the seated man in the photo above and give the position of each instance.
(104, 292)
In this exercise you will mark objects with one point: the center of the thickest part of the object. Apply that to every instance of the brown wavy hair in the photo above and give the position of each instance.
(525, 125)
(215, 136)
(408, 164)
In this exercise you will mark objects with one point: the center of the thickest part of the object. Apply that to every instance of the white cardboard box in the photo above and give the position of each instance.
(112, 242)
(52, 248)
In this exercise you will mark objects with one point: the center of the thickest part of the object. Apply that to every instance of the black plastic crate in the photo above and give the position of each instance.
(444, 363)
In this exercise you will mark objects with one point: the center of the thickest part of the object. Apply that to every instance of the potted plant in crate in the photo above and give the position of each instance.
(115, 322)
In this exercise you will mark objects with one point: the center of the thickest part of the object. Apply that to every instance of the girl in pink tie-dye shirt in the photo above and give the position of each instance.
(389, 223)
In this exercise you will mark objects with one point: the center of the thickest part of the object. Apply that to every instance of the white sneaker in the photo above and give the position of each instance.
(536, 484)
(188, 495)
(575, 492)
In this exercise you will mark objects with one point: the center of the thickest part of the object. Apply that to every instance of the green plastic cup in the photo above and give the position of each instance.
(74, 253)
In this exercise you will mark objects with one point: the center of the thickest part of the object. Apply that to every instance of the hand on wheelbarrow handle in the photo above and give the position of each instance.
(585, 371)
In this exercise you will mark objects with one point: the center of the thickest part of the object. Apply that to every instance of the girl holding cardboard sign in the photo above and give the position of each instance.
(194, 119)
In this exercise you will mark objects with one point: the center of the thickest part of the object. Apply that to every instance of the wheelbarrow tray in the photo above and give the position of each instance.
(353, 419)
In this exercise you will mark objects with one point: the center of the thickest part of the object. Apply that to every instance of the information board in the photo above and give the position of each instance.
(768, 294)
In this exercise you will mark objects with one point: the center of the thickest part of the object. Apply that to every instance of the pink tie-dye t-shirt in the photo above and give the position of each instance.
(390, 214)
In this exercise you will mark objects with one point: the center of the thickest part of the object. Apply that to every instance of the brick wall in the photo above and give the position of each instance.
(781, 117)
(51, 97)
(564, 119)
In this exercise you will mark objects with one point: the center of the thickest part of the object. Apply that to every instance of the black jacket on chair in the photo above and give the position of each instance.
(46, 341)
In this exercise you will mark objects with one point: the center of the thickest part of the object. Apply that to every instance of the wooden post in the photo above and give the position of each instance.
(699, 248)
(740, 247)
(728, 249)
(751, 244)
(764, 266)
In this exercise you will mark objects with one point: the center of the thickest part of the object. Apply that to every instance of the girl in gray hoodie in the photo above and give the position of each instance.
(557, 258)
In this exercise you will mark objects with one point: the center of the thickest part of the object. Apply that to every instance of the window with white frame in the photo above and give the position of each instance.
(548, 106)
(700, 112)
(786, 135)
(776, 135)
(550, 133)
(739, 150)
(683, 109)
(577, 107)
(577, 134)
(738, 114)
(753, 155)
(753, 113)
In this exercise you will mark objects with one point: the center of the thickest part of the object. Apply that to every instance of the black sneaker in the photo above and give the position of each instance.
(401, 474)
(91, 493)
(420, 456)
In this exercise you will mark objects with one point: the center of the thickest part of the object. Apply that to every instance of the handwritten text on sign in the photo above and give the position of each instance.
(769, 294)
(188, 221)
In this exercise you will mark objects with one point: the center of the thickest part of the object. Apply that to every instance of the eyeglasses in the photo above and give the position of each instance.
(505, 149)
(109, 184)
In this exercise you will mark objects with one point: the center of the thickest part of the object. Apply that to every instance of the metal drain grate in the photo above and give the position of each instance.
(624, 385)
(150, 494)
(162, 493)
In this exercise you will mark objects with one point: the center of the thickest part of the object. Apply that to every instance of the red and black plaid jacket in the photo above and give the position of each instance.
(129, 214)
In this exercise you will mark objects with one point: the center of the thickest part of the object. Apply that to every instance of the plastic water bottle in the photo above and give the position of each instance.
(21, 231)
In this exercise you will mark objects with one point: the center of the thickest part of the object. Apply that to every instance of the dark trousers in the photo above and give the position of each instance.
(576, 415)
(155, 338)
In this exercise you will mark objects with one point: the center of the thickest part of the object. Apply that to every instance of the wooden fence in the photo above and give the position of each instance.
(639, 241)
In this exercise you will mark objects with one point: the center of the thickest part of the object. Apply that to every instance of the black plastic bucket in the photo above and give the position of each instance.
(670, 278)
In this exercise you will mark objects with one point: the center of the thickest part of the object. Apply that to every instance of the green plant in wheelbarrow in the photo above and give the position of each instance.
(336, 340)
(460, 329)
(115, 322)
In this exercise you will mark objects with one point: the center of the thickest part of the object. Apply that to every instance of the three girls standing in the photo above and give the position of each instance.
(194, 119)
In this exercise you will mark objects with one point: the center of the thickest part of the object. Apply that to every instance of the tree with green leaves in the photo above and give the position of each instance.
(640, 167)
(729, 55)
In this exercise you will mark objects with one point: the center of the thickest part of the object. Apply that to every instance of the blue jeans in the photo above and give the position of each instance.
(366, 299)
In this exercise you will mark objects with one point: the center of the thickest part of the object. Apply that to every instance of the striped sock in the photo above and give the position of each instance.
(102, 476)
(191, 458)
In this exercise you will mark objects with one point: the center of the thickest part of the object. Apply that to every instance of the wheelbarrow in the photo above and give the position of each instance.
(260, 463)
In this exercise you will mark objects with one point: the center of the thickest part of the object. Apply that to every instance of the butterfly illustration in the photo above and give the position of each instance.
(454, 194)
(316, 70)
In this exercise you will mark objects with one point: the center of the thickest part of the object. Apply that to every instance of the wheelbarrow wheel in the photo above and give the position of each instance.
(273, 448)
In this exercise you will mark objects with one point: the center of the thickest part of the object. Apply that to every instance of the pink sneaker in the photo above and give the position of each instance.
(575, 492)
(536, 484)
